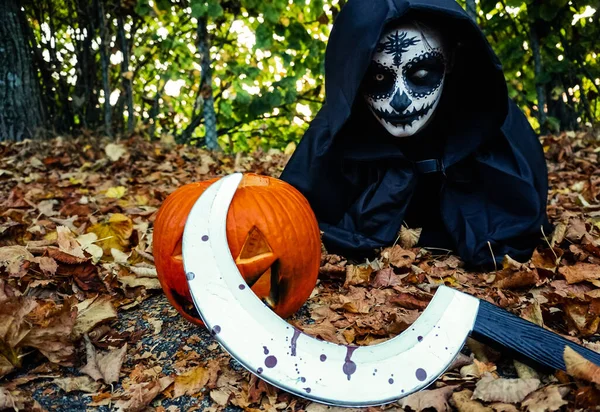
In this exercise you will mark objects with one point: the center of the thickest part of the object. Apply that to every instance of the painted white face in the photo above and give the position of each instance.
(404, 82)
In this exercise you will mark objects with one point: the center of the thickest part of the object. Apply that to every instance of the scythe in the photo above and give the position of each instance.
(330, 373)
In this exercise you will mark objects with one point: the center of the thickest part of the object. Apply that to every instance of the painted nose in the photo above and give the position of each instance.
(400, 102)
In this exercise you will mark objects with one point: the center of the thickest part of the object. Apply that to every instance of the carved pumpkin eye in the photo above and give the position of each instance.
(273, 236)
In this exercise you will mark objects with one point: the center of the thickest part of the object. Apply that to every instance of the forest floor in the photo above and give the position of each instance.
(84, 325)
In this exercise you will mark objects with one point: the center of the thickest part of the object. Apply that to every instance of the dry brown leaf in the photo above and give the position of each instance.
(67, 242)
(105, 366)
(437, 399)
(576, 230)
(325, 331)
(191, 382)
(503, 407)
(464, 403)
(516, 280)
(92, 312)
(386, 278)
(409, 237)
(546, 259)
(533, 313)
(14, 259)
(79, 383)
(134, 281)
(525, 371)
(399, 257)
(548, 399)
(51, 332)
(559, 234)
(18, 401)
(48, 265)
(220, 396)
(580, 272)
(408, 301)
(579, 367)
(489, 389)
(358, 275)
(138, 396)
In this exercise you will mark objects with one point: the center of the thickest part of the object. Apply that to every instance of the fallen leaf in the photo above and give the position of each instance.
(576, 230)
(358, 275)
(116, 192)
(580, 272)
(516, 280)
(114, 233)
(14, 259)
(399, 257)
(409, 301)
(67, 242)
(51, 332)
(48, 265)
(105, 366)
(136, 281)
(92, 312)
(579, 367)
(489, 389)
(88, 244)
(115, 151)
(79, 383)
(464, 403)
(409, 237)
(548, 399)
(386, 278)
(437, 399)
(190, 382)
(138, 396)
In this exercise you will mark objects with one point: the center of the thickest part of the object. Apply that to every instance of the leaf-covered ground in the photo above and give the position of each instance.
(84, 325)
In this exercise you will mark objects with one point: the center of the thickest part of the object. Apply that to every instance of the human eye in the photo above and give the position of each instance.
(421, 74)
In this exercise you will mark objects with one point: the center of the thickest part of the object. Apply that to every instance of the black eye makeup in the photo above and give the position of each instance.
(379, 82)
(423, 75)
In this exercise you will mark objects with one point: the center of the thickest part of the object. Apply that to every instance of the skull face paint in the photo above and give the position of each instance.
(404, 81)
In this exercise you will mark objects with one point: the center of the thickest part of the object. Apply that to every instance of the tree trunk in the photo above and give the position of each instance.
(210, 117)
(105, 63)
(20, 104)
(538, 70)
(126, 75)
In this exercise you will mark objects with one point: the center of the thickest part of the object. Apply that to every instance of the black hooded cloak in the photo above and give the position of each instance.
(474, 179)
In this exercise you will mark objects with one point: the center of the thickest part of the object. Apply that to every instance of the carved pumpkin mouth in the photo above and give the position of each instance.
(257, 263)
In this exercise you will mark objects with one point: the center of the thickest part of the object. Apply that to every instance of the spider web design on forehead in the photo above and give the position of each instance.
(396, 44)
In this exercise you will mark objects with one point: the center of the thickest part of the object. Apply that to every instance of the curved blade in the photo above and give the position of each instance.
(287, 358)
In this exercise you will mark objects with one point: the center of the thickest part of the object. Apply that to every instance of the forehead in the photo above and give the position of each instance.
(408, 38)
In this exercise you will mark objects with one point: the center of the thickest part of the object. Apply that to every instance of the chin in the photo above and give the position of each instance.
(402, 131)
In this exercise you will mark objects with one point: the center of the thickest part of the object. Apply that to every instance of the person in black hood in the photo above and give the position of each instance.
(417, 129)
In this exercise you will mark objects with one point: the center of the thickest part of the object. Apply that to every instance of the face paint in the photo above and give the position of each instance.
(404, 82)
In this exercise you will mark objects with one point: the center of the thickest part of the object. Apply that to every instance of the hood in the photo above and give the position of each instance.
(476, 82)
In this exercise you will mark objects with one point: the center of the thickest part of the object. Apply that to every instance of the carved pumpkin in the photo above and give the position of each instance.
(272, 234)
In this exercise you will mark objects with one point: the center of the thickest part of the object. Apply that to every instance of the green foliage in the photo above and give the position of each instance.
(267, 63)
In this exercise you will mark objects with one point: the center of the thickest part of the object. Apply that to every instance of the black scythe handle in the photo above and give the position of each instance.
(526, 338)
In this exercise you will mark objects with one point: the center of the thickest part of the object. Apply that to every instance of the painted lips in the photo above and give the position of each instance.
(404, 119)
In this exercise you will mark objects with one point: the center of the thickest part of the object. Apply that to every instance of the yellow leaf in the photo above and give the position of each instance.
(290, 148)
(116, 192)
(191, 382)
(113, 234)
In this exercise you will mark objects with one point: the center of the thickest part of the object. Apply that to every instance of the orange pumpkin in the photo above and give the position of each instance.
(272, 234)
